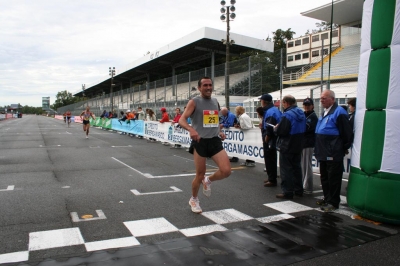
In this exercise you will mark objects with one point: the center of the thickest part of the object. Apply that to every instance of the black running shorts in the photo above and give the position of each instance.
(206, 147)
(85, 122)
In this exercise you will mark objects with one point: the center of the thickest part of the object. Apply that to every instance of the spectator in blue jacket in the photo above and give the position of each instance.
(333, 137)
(290, 132)
(271, 118)
(228, 120)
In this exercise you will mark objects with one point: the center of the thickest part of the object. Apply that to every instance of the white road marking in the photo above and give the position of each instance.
(202, 230)
(65, 187)
(55, 239)
(193, 161)
(14, 257)
(226, 216)
(288, 206)
(274, 218)
(68, 132)
(137, 171)
(9, 188)
(94, 147)
(75, 218)
(129, 146)
(164, 176)
(150, 227)
(174, 189)
(112, 243)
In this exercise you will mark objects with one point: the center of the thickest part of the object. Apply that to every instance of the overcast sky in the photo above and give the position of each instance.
(47, 46)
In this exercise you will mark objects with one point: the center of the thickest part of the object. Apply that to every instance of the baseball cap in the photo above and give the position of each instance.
(308, 101)
(163, 109)
(128, 111)
(266, 97)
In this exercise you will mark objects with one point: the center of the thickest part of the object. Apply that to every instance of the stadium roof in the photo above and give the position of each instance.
(344, 11)
(195, 47)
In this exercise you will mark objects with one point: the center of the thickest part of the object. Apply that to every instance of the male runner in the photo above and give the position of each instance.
(86, 123)
(206, 140)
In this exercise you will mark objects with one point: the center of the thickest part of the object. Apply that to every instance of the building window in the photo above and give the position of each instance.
(326, 51)
(290, 58)
(335, 33)
(306, 55)
(315, 38)
(290, 44)
(297, 42)
(324, 36)
(297, 57)
(306, 40)
(315, 53)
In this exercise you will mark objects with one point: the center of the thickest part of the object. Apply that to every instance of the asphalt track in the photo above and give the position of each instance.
(116, 200)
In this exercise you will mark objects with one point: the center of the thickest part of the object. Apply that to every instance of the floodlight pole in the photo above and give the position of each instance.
(111, 72)
(227, 61)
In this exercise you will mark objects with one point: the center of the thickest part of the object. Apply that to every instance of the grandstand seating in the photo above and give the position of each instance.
(343, 65)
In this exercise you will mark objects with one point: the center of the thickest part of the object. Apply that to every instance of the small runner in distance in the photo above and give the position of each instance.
(85, 119)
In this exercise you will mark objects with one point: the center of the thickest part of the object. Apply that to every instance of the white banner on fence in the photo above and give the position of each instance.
(245, 144)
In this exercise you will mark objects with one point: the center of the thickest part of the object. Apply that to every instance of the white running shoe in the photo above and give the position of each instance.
(195, 204)
(87, 137)
(206, 188)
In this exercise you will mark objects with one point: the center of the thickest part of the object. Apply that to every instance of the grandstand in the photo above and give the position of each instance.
(152, 81)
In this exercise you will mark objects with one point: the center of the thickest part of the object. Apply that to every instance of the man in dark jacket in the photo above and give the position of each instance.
(308, 147)
(290, 132)
(272, 116)
(333, 137)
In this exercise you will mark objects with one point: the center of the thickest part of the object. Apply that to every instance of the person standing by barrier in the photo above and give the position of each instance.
(290, 132)
(308, 147)
(164, 115)
(207, 140)
(333, 137)
(228, 120)
(175, 122)
(85, 116)
(272, 116)
(244, 123)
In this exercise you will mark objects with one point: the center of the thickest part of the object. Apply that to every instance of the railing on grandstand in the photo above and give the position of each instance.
(303, 70)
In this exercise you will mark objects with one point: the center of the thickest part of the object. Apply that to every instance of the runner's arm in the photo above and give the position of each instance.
(190, 107)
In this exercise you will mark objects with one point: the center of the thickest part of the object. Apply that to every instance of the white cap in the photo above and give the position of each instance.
(128, 111)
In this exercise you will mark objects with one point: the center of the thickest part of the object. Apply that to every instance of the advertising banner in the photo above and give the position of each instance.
(135, 127)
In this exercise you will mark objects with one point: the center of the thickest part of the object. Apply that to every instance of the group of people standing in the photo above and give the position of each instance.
(297, 135)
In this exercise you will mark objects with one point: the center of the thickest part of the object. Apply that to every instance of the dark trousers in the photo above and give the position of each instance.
(331, 180)
(271, 164)
(291, 176)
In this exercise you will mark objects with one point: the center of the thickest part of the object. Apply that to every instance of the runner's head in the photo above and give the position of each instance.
(205, 87)
(87, 108)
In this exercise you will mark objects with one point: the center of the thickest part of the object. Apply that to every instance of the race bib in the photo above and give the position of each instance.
(210, 118)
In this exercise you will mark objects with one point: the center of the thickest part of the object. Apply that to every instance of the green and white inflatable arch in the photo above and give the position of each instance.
(374, 182)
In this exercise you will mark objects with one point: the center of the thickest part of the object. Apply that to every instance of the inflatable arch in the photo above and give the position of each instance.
(374, 182)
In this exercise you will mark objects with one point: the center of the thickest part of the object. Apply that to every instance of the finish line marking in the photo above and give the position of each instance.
(137, 171)
(174, 189)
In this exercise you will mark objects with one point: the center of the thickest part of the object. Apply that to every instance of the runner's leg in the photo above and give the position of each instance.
(224, 166)
(200, 165)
